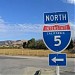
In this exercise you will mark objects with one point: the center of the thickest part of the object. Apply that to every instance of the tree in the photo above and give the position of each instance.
(40, 44)
(24, 44)
(70, 45)
(31, 43)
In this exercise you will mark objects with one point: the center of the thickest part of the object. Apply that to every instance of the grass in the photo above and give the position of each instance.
(29, 52)
(24, 52)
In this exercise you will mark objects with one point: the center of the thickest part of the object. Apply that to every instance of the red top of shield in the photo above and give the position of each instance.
(56, 27)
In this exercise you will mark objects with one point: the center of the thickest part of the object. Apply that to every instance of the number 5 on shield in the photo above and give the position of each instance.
(57, 39)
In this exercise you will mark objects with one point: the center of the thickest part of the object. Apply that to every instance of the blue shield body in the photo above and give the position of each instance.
(57, 37)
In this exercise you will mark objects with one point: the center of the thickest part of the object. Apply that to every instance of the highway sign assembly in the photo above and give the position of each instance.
(56, 17)
(57, 59)
(56, 37)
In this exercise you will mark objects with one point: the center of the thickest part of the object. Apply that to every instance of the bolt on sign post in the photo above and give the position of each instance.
(56, 37)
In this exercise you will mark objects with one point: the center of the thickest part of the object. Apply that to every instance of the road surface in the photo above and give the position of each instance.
(16, 65)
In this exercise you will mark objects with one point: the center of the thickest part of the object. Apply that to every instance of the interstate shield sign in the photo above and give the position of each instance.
(57, 37)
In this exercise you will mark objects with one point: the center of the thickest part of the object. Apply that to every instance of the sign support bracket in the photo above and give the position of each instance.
(57, 68)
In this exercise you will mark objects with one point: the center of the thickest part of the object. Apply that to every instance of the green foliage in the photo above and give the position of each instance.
(24, 44)
(33, 44)
(70, 45)
(40, 44)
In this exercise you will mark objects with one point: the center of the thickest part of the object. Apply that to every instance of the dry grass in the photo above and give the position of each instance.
(29, 52)
(25, 52)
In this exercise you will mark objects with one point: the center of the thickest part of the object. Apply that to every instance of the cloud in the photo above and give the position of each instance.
(19, 31)
(69, 1)
(1, 20)
(8, 30)
(6, 27)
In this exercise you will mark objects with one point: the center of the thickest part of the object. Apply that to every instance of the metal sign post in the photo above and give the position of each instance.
(57, 70)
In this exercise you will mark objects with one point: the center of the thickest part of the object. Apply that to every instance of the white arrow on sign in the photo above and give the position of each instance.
(55, 59)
